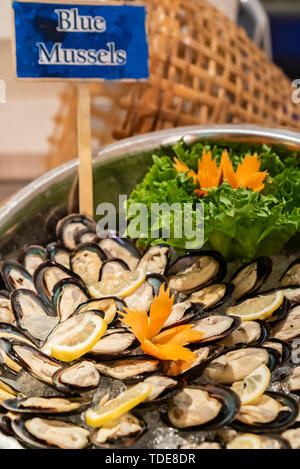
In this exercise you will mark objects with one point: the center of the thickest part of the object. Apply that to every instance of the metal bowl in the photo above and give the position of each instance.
(30, 216)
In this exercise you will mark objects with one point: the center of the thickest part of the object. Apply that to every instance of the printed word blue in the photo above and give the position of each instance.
(74, 41)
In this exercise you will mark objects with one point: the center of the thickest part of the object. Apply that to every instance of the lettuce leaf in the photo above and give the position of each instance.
(238, 223)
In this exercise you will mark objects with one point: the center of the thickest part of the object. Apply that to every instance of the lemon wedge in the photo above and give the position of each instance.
(261, 307)
(253, 386)
(245, 441)
(120, 405)
(79, 335)
(118, 284)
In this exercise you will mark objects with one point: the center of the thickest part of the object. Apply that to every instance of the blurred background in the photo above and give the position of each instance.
(38, 119)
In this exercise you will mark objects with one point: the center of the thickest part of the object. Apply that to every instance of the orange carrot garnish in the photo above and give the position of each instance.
(169, 344)
(247, 175)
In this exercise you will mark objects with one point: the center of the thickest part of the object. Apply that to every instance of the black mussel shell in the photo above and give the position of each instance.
(263, 272)
(291, 293)
(98, 257)
(112, 265)
(58, 292)
(27, 439)
(39, 275)
(164, 396)
(230, 407)
(110, 314)
(128, 376)
(190, 314)
(59, 254)
(8, 346)
(79, 222)
(159, 250)
(11, 333)
(6, 386)
(19, 309)
(227, 294)
(274, 355)
(4, 294)
(236, 322)
(5, 422)
(280, 313)
(156, 281)
(15, 405)
(118, 352)
(190, 371)
(286, 279)
(32, 256)
(124, 442)
(116, 249)
(293, 333)
(284, 419)
(24, 279)
(86, 235)
(286, 348)
(265, 332)
(71, 388)
(181, 264)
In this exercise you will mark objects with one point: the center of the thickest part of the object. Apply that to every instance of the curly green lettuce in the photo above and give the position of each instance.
(237, 223)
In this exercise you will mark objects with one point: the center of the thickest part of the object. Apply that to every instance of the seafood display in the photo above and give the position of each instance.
(106, 346)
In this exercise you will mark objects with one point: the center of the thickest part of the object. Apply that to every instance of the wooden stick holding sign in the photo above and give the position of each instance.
(85, 150)
(70, 40)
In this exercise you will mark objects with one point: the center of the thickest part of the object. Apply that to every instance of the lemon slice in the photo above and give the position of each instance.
(118, 406)
(118, 284)
(78, 336)
(245, 441)
(260, 307)
(253, 386)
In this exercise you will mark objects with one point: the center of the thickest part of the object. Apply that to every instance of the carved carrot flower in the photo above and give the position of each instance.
(166, 345)
(247, 175)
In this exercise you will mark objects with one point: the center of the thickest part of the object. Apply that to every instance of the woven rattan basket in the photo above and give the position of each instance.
(204, 70)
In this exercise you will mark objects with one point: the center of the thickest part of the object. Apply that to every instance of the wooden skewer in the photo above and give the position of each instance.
(85, 150)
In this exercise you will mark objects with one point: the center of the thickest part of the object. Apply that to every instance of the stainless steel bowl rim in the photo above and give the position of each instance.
(147, 142)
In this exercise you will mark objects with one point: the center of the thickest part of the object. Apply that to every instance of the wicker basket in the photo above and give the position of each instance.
(203, 70)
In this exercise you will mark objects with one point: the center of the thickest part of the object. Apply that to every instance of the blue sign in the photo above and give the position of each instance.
(73, 41)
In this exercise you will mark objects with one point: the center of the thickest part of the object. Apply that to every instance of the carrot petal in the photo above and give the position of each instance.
(160, 310)
(167, 352)
(137, 321)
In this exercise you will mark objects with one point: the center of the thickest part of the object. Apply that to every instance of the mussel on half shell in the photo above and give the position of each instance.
(15, 276)
(289, 328)
(216, 327)
(129, 368)
(234, 365)
(120, 248)
(271, 412)
(114, 343)
(205, 407)
(196, 270)
(46, 405)
(80, 377)
(31, 359)
(251, 333)
(86, 261)
(292, 275)
(42, 433)
(212, 296)
(46, 277)
(156, 259)
(68, 227)
(120, 433)
(249, 278)
(67, 295)
(32, 256)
